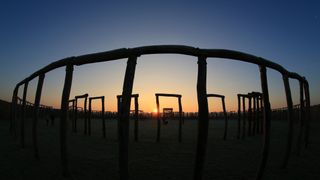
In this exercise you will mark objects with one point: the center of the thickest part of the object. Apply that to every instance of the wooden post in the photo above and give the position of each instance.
(249, 115)
(89, 117)
(254, 114)
(158, 119)
(289, 118)
(301, 118)
(75, 116)
(23, 114)
(13, 112)
(225, 119)
(36, 116)
(180, 120)
(136, 119)
(85, 116)
(103, 119)
(266, 122)
(124, 118)
(239, 117)
(307, 112)
(243, 117)
(63, 119)
(203, 118)
(258, 115)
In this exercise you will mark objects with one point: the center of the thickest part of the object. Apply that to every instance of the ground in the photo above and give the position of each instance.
(96, 158)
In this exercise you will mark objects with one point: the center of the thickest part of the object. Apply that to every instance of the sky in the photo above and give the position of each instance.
(36, 33)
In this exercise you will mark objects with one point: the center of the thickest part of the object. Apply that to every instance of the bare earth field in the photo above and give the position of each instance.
(93, 157)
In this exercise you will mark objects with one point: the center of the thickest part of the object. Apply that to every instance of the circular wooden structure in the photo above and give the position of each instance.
(132, 54)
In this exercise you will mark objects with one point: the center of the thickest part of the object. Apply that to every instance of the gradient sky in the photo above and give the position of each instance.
(36, 33)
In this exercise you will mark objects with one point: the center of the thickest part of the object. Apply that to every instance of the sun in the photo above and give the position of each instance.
(155, 110)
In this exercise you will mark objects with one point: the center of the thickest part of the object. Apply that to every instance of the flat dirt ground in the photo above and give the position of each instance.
(93, 157)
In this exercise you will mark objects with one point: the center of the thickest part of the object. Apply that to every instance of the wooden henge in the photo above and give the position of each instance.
(124, 109)
(158, 95)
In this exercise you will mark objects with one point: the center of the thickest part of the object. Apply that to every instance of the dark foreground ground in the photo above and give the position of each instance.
(96, 158)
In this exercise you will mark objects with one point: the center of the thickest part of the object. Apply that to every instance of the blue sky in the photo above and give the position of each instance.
(36, 33)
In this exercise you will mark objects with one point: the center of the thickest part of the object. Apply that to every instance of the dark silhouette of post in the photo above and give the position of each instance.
(73, 116)
(266, 122)
(158, 114)
(203, 118)
(224, 113)
(102, 115)
(63, 119)
(136, 113)
(23, 116)
(13, 112)
(124, 118)
(307, 113)
(301, 117)
(239, 116)
(290, 120)
(85, 97)
(36, 116)
(249, 115)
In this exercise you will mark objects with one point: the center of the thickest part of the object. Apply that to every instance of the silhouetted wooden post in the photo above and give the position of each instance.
(180, 119)
(124, 118)
(266, 122)
(103, 119)
(85, 116)
(203, 118)
(239, 117)
(63, 119)
(254, 114)
(225, 119)
(136, 119)
(249, 115)
(307, 112)
(158, 119)
(36, 116)
(243, 117)
(289, 118)
(89, 117)
(301, 118)
(75, 116)
(23, 114)
(13, 114)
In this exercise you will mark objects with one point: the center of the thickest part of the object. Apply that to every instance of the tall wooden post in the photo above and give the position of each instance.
(239, 117)
(63, 119)
(85, 116)
(225, 119)
(23, 116)
(36, 116)
(13, 111)
(289, 118)
(75, 116)
(89, 118)
(124, 118)
(243, 117)
(266, 122)
(158, 119)
(307, 112)
(180, 119)
(254, 114)
(136, 119)
(203, 118)
(250, 115)
(301, 118)
(103, 119)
